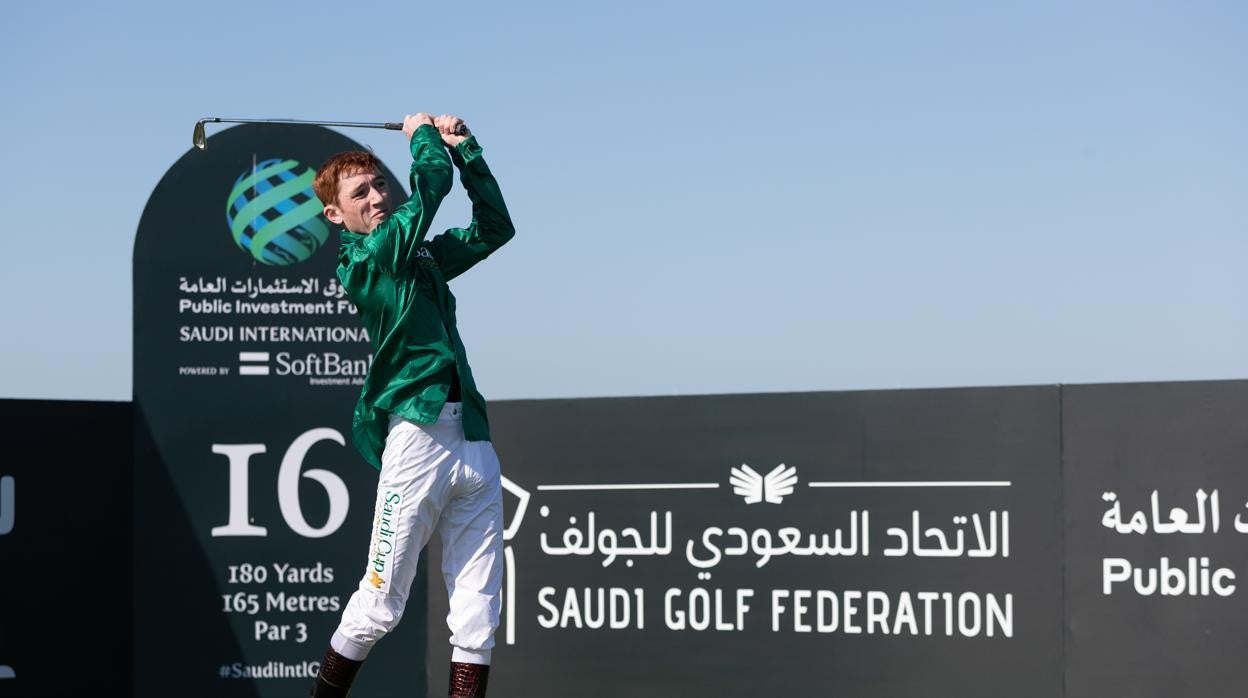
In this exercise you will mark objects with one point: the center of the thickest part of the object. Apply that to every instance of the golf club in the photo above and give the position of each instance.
(201, 140)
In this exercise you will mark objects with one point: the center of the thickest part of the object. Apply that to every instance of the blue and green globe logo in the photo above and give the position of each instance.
(274, 215)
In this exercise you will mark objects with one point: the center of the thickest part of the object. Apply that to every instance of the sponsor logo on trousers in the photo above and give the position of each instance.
(383, 538)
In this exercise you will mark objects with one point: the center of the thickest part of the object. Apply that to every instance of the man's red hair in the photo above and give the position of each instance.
(332, 171)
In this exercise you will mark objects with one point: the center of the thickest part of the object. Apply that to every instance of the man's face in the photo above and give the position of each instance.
(363, 202)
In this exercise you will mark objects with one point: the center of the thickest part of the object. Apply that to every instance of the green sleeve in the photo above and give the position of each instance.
(458, 249)
(393, 244)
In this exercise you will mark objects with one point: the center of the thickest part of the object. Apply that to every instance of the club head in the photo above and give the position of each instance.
(198, 137)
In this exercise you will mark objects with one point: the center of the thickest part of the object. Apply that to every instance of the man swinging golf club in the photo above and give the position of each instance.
(419, 419)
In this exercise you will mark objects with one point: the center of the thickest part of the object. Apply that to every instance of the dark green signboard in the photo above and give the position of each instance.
(252, 509)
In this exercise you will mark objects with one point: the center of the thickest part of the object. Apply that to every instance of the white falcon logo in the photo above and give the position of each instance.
(773, 487)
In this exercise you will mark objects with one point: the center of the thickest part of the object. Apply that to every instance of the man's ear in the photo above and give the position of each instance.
(333, 214)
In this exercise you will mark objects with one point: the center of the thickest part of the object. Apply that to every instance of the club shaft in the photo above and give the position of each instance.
(393, 126)
(200, 140)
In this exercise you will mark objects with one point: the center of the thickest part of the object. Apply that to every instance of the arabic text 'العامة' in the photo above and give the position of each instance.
(252, 287)
(1208, 516)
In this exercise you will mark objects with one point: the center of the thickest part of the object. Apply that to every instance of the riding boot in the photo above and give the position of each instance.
(336, 675)
(468, 680)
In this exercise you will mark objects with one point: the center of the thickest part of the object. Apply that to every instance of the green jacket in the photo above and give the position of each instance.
(397, 280)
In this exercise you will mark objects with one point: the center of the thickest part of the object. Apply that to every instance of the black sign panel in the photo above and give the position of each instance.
(1157, 539)
(726, 545)
(869, 544)
(65, 548)
(253, 510)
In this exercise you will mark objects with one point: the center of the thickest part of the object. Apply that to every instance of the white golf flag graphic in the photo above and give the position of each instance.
(509, 557)
(773, 487)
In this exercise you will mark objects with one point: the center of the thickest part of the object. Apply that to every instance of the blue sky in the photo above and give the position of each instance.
(778, 196)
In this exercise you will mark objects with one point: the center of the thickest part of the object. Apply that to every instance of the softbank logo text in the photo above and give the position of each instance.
(7, 503)
(326, 363)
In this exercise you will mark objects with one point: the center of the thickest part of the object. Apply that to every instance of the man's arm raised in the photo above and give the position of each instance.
(398, 239)
(459, 249)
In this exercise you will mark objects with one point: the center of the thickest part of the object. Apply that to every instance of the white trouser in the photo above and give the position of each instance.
(431, 478)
